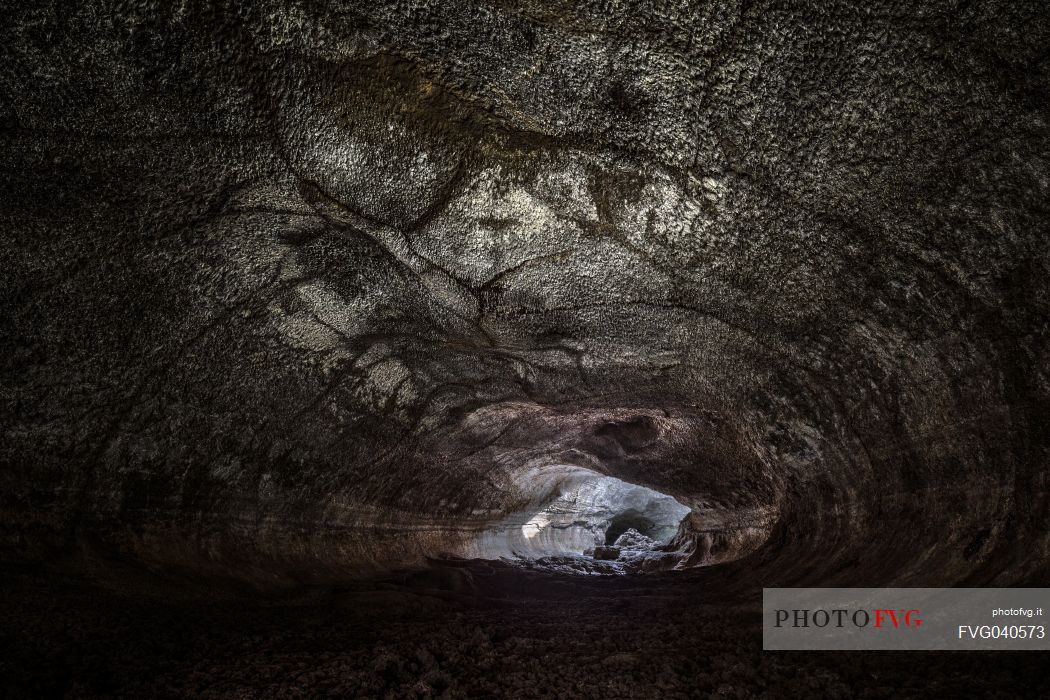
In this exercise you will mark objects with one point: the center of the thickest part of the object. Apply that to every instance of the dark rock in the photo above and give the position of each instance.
(606, 552)
(308, 295)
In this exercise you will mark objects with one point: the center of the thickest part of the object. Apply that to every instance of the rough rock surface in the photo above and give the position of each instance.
(298, 292)
(632, 539)
(522, 635)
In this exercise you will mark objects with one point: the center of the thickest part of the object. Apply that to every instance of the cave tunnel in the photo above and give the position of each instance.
(572, 512)
(512, 349)
(628, 520)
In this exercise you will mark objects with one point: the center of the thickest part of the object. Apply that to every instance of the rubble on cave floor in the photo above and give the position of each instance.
(521, 635)
(635, 541)
(632, 552)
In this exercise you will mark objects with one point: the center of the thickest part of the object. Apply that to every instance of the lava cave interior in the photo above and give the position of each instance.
(510, 348)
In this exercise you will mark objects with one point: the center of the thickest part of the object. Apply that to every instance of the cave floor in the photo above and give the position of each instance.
(467, 631)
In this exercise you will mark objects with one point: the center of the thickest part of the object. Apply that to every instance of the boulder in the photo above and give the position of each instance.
(632, 539)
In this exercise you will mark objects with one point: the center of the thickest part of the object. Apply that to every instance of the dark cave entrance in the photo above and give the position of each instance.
(628, 520)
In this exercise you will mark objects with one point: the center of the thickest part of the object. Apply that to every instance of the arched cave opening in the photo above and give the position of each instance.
(578, 515)
(628, 520)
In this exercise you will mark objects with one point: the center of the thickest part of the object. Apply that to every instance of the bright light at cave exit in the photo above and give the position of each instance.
(535, 525)
(596, 502)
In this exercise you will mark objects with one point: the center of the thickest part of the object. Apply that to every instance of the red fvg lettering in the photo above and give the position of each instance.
(908, 617)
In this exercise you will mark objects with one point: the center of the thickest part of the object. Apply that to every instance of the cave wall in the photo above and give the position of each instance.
(304, 289)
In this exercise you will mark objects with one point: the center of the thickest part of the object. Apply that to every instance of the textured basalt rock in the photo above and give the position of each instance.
(304, 290)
